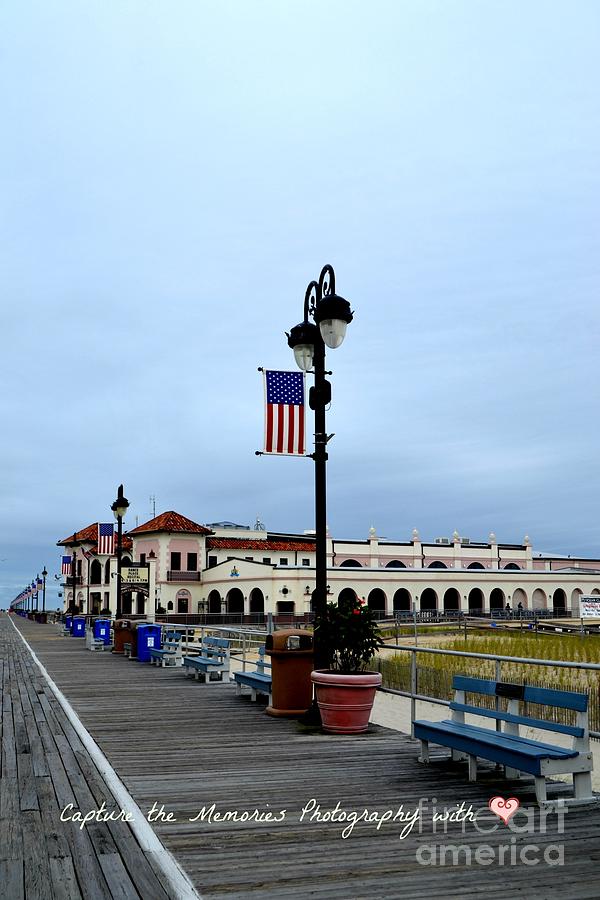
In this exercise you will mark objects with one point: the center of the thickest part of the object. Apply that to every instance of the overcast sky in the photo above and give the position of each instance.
(174, 173)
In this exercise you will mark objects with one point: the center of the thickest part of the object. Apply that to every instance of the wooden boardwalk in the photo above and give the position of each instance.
(186, 746)
(44, 768)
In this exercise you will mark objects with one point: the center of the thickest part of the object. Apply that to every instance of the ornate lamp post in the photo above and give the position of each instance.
(44, 573)
(119, 508)
(331, 315)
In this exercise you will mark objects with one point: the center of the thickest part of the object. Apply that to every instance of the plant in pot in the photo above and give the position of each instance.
(346, 690)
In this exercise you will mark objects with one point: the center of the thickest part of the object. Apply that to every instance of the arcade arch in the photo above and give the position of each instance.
(377, 600)
(428, 600)
(402, 600)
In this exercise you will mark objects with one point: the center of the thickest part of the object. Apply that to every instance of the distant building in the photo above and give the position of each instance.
(229, 569)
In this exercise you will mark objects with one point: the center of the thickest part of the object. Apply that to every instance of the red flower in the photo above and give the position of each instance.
(356, 612)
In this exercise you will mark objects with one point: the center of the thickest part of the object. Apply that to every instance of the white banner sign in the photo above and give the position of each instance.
(134, 574)
(589, 606)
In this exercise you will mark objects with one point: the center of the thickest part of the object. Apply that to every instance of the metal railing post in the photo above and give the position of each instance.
(413, 692)
(498, 678)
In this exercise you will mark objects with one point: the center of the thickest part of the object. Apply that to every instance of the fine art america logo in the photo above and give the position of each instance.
(504, 816)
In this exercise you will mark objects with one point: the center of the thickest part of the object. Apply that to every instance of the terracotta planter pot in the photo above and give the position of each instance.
(345, 701)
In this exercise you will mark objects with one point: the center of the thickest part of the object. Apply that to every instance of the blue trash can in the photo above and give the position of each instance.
(68, 622)
(78, 629)
(148, 638)
(102, 630)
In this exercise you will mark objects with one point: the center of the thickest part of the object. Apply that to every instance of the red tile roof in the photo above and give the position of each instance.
(89, 535)
(241, 544)
(170, 522)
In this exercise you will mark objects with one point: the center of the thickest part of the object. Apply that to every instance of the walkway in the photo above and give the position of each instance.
(187, 746)
(44, 768)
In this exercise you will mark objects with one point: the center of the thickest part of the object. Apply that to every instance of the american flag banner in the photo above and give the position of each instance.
(106, 538)
(284, 413)
(40, 584)
(65, 567)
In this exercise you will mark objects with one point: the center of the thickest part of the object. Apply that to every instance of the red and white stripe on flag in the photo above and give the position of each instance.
(284, 413)
(106, 538)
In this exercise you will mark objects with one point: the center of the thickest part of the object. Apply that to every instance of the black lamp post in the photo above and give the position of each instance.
(44, 573)
(331, 315)
(74, 577)
(119, 508)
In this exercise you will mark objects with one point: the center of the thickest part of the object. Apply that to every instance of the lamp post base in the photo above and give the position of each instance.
(312, 717)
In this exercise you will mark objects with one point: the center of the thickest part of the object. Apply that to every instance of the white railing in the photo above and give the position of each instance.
(248, 639)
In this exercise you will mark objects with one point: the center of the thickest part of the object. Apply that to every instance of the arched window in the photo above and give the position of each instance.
(107, 571)
(214, 603)
(257, 601)
(475, 565)
(402, 600)
(350, 563)
(95, 572)
(235, 602)
(497, 599)
(437, 564)
(395, 564)
(476, 602)
(347, 595)
(559, 602)
(428, 600)
(451, 600)
(519, 596)
(512, 566)
(376, 600)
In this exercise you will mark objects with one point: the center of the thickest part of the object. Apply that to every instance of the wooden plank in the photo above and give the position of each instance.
(37, 869)
(64, 880)
(27, 788)
(56, 842)
(12, 884)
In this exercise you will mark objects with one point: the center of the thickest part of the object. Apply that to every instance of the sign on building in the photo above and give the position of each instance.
(589, 606)
(134, 574)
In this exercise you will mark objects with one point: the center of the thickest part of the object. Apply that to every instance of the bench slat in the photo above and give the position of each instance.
(543, 696)
(202, 661)
(491, 745)
(501, 739)
(249, 677)
(573, 730)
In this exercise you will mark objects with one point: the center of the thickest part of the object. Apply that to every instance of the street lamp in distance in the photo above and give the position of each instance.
(119, 508)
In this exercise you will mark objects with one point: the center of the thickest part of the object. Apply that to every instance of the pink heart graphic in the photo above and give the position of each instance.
(504, 809)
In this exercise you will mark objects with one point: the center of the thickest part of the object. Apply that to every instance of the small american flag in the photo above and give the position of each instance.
(66, 565)
(284, 413)
(106, 538)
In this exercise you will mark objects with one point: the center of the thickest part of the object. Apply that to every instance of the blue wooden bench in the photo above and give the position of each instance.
(517, 754)
(170, 652)
(258, 681)
(212, 662)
